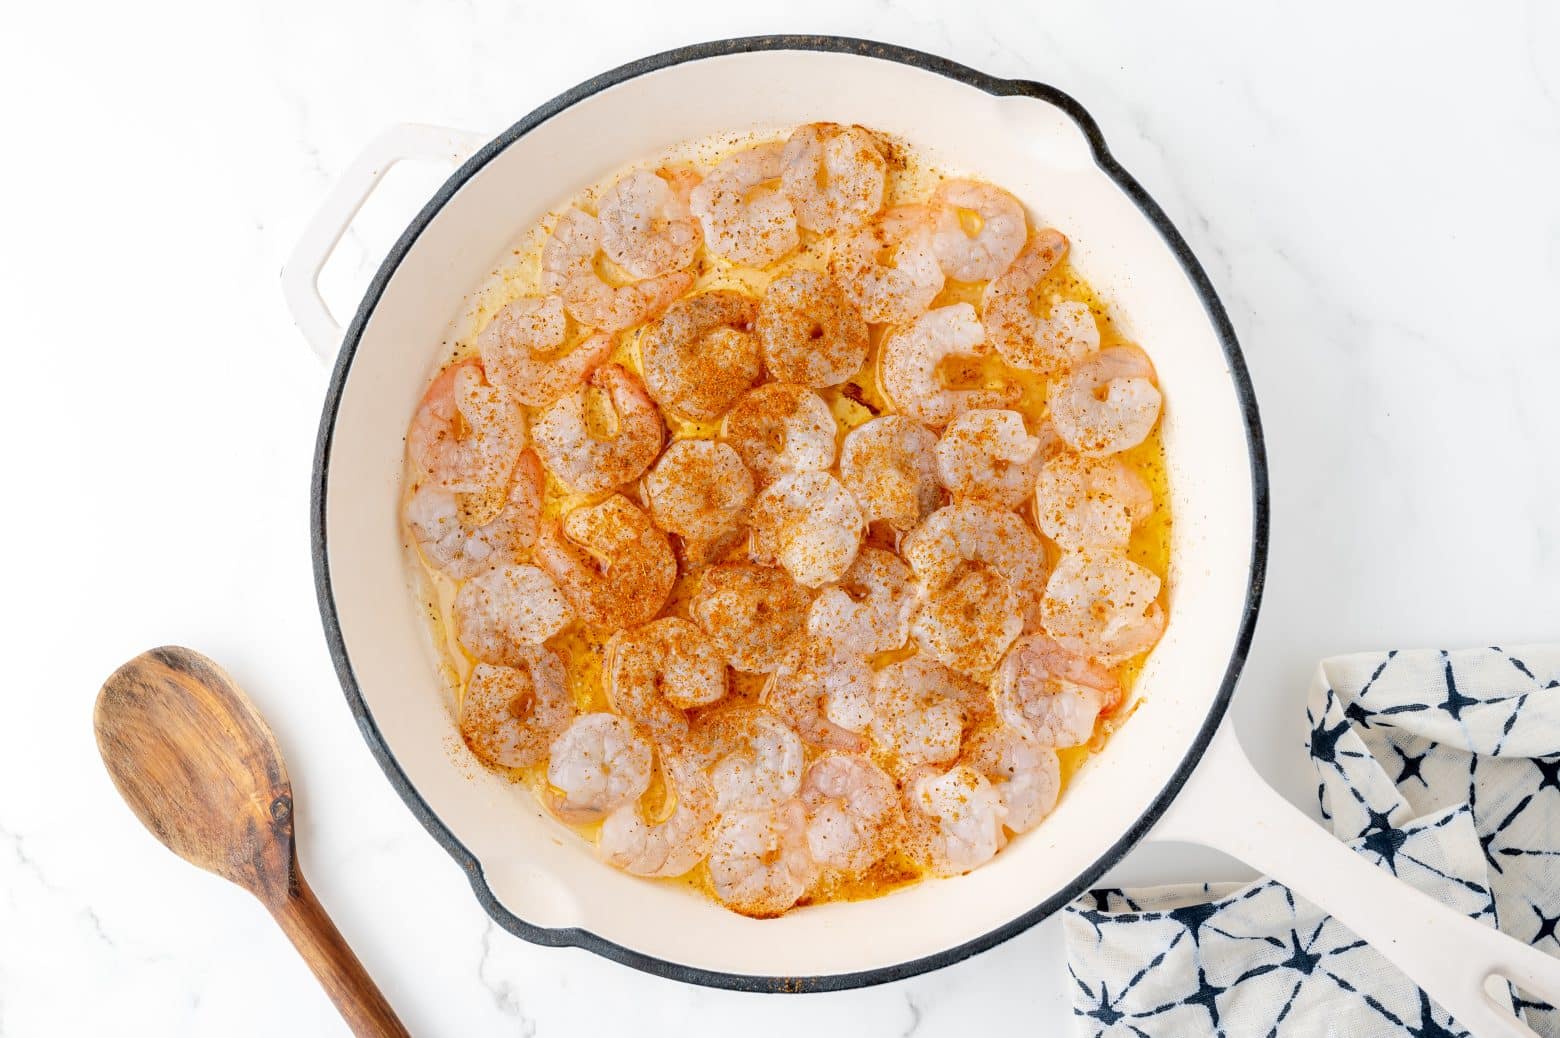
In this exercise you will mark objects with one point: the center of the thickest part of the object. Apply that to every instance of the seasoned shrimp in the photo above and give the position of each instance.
(890, 464)
(914, 359)
(598, 764)
(669, 847)
(998, 217)
(462, 545)
(466, 433)
(509, 715)
(968, 621)
(587, 463)
(1103, 605)
(1029, 335)
(1090, 502)
(780, 428)
(824, 692)
(759, 864)
(812, 334)
(751, 611)
(973, 532)
(612, 563)
(700, 491)
(646, 226)
(889, 267)
(755, 760)
(921, 709)
(747, 218)
(988, 455)
(834, 175)
(1051, 693)
(569, 269)
(523, 350)
(955, 817)
(1108, 403)
(501, 611)
(852, 807)
(808, 523)
(869, 610)
(654, 672)
(1025, 774)
(702, 354)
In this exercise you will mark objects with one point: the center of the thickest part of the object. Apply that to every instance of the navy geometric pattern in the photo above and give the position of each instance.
(1443, 767)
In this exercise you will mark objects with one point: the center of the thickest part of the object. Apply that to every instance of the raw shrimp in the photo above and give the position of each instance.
(755, 760)
(869, 610)
(780, 428)
(646, 227)
(812, 334)
(759, 865)
(588, 464)
(834, 175)
(921, 709)
(523, 350)
(913, 360)
(751, 611)
(1025, 774)
(502, 611)
(1051, 343)
(808, 523)
(852, 807)
(968, 621)
(974, 532)
(598, 764)
(1051, 693)
(702, 354)
(613, 564)
(700, 491)
(569, 269)
(987, 252)
(747, 218)
(454, 541)
(1103, 605)
(824, 692)
(466, 433)
(955, 818)
(509, 715)
(901, 286)
(1090, 502)
(669, 847)
(654, 672)
(1108, 403)
(988, 455)
(890, 464)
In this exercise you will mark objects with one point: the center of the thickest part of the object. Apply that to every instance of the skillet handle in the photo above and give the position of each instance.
(1227, 806)
(301, 274)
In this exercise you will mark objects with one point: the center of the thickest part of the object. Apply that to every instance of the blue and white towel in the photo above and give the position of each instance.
(1443, 767)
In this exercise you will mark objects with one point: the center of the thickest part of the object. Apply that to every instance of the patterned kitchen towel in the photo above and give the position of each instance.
(1443, 767)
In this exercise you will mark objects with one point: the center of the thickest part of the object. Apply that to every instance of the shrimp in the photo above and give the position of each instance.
(1049, 344)
(646, 226)
(509, 715)
(988, 455)
(987, 252)
(1108, 403)
(523, 350)
(612, 563)
(755, 759)
(751, 611)
(457, 542)
(913, 360)
(588, 464)
(670, 847)
(1051, 693)
(598, 764)
(955, 817)
(502, 611)
(1090, 502)
(808, 523)
(699, 490)
(890, 464)
(901, 286)
(569, 269)
(654, 672)
(811, 333)
(921, 709)
(702, 354)
(747, 218)
(852, 808)
(759, 865)
(974, 532)
(1025, 774)
(969, 621)
(466, 433)
(1103, 605)
(834, 175)
(780, 428)
(824, 692)
(869, 610)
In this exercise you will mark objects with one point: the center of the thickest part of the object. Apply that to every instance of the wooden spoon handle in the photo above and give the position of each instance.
(345, 980)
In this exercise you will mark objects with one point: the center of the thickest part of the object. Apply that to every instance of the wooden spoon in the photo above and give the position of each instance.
(200, 768)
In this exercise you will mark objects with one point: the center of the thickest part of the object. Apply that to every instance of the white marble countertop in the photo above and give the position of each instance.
(1371, 187)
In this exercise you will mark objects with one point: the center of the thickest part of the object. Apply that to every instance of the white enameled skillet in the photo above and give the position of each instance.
(1174, 772)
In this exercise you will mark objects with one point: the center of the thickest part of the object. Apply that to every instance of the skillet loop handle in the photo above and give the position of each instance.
(301, 274)
(1458, 961)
